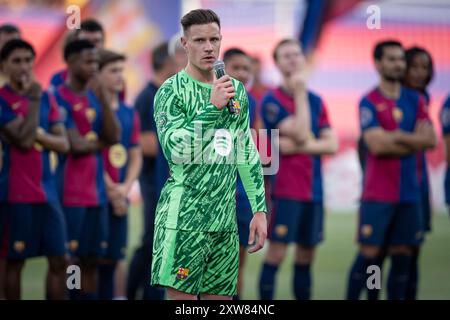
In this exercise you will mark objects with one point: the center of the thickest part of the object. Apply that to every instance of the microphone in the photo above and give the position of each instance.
(219, 69)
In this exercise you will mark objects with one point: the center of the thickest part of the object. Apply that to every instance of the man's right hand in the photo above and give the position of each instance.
(32, 90)
(222, 92)
(297, 82)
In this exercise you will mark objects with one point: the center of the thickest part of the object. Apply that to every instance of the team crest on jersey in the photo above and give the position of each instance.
(77, 106)
(15, 106)
(117, 156)
(91, 114)
(380, 107)
(91, 136)
(237, 106)
(182, 273)
(398, 114)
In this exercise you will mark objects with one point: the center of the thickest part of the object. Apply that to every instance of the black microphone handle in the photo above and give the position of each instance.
(230, 105)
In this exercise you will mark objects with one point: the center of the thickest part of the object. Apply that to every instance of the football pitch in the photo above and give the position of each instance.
(330, 270)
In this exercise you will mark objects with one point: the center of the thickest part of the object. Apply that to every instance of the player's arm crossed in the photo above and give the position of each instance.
(110, 132)
(21, 131)
(297, 126)
(326, 144)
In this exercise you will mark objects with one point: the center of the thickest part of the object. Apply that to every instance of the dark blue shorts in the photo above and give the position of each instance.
(117, 235)
(87, 230)
(244, 217)
(35, 230)
(296, 221)
(390, 224)
(3, 231)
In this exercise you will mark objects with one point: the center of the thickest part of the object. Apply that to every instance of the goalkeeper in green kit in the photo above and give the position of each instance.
(196, 245)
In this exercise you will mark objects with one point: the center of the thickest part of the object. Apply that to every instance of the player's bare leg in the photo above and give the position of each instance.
(120, 280)
(206, 296)
(304, 256)
(276, 253)
(173, 294)
(88, 266)
(13, 279)
(242, 258)
(56, 277)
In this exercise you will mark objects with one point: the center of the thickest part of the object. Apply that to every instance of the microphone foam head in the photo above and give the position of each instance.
(218, 64)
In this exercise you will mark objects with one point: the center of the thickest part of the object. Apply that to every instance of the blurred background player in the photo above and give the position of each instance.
(418, 75)
(123, 163)
(445, 126)
(238, 66)
(395, 127)
(7, 32)
(177, 52)
(257, 87)
(91, 30)
(154, 174)
(305, 135)
(91, 126)
(35, 220)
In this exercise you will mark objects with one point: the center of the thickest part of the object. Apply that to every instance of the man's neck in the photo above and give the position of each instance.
(113, 99)
(200, 75)
(76, 85)
(390, 89)
(15, 87)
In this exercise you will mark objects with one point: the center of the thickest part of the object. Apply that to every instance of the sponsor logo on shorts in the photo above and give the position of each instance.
(366, 230)
(73, 245)
(182, 273)
(281, 230)
(19, 246)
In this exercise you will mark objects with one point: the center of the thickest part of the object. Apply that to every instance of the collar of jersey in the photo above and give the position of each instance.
(203, 84)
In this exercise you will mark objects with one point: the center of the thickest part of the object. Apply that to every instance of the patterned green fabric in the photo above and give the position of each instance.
(196, 262)
(205, 148)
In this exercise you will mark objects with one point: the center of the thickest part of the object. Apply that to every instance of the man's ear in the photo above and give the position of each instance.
(183, 40)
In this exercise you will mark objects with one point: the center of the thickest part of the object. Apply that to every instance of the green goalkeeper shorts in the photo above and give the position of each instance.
(196, 262)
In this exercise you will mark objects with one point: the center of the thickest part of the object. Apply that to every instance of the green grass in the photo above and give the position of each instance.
(330, 270)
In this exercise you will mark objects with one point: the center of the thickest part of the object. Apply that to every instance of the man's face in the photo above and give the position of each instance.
(418, 72)
(95, 37)
(6, 36)
(112, 76)
(18, 67)
(392, 65)
(202, 45)
(239, 67)
(289, 59)
(85, 64)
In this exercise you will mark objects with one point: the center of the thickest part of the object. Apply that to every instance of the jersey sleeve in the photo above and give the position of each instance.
(65, 113)
(445, 116)
(53, 116)
(6, 113)
(324, 121)
(177, 133)
(367, 116)
(272, 112)
(134, 138)
(248, 162)
(422, 111)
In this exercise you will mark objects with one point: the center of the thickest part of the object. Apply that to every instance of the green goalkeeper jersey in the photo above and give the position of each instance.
(205, 148)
